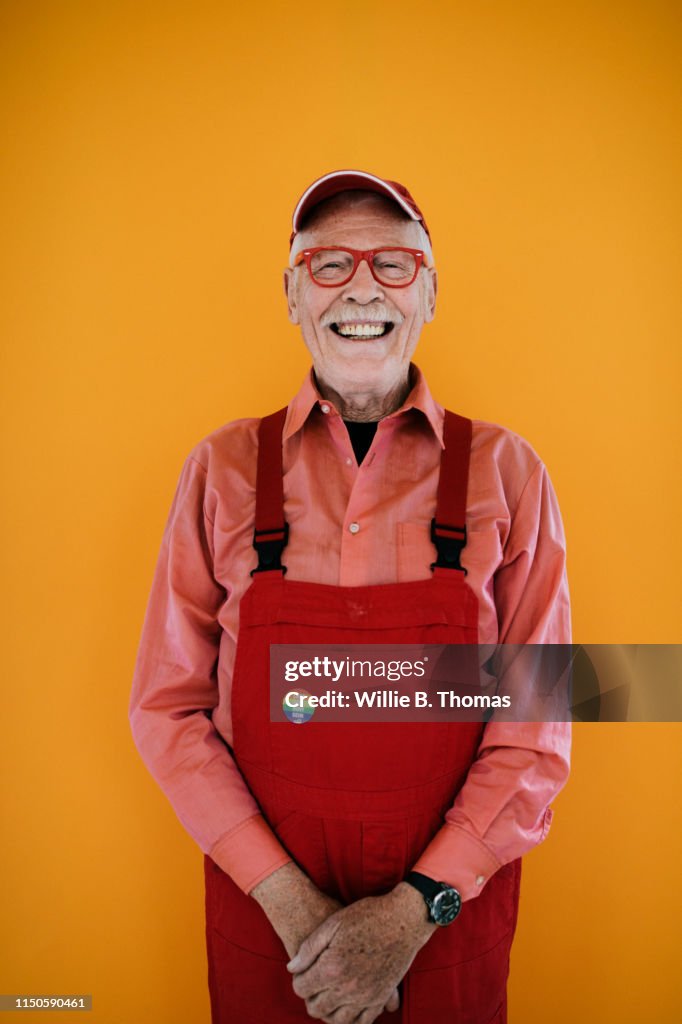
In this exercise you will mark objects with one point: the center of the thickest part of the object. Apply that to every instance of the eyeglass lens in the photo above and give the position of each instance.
(392, 266)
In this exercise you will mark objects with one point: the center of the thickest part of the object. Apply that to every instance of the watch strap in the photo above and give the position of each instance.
(442, 900)
(425, 885)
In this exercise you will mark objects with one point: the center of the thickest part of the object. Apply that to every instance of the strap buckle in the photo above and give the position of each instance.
(449, 542)
(269, 545)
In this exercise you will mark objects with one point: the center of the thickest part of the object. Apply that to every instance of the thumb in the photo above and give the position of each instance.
(393, 1003)
(310, 948)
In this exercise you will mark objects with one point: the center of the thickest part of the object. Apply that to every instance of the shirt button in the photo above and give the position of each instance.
(349, 462)
(325, 408)
(354, 527)
(480, 879)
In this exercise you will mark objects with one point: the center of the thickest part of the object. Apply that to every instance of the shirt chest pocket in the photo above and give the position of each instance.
(481, 556)
(415, 551)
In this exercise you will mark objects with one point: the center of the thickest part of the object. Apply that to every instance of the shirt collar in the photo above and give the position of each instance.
(419, 397)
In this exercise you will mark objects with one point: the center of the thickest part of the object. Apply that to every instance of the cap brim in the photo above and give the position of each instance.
(342, 181)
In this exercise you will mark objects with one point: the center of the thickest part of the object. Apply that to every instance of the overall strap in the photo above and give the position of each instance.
(448, 527)
(271, 533)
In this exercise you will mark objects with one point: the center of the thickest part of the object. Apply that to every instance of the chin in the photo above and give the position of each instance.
(364, 373)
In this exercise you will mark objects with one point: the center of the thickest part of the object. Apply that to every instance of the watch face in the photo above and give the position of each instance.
(446, 905)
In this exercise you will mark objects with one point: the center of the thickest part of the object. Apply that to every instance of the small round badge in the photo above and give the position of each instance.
(296, 706)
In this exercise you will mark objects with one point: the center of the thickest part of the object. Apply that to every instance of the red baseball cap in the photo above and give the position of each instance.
(341, 181)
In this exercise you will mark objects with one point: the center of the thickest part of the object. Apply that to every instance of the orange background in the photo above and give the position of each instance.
(152, 155)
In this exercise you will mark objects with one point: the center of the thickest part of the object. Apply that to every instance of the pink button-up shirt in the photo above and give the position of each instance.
(515, 557)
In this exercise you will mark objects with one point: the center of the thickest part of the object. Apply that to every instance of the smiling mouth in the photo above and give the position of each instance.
(362, 330)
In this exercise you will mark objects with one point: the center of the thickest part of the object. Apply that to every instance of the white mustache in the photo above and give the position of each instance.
(351, 313)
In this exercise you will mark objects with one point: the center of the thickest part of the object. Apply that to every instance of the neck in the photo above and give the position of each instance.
(366, 406)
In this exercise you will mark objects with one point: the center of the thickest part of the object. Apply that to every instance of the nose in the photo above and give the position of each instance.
(363, 286)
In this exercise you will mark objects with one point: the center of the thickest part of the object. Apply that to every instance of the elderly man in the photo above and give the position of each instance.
(353, 870)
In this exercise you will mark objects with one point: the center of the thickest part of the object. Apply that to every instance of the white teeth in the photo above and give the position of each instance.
(361, 330)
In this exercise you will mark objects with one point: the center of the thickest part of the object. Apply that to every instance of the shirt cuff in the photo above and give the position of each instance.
(458, 858)
(249, 853)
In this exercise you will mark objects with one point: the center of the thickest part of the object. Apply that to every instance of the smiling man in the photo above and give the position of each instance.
(354, 872)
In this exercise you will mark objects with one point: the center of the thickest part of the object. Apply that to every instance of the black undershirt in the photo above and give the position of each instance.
(361, 435)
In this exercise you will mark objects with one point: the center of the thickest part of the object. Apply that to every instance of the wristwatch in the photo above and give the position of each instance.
(444, 903)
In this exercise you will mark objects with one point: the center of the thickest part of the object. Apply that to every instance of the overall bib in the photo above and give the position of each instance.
(355, 804)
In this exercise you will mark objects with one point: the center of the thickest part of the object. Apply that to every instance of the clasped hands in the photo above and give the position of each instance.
(347, 961)
(349, 968)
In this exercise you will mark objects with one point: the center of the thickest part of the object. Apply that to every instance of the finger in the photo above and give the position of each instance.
(369, 1014)
(309, 984)
(324, 1005)
(393, 1003)
(310, 948)
(344, 1015)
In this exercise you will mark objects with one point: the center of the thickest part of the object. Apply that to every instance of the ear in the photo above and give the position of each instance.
(290, 292)
(430, 289)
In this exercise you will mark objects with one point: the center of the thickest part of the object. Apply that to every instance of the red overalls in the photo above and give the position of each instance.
(355, 804)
